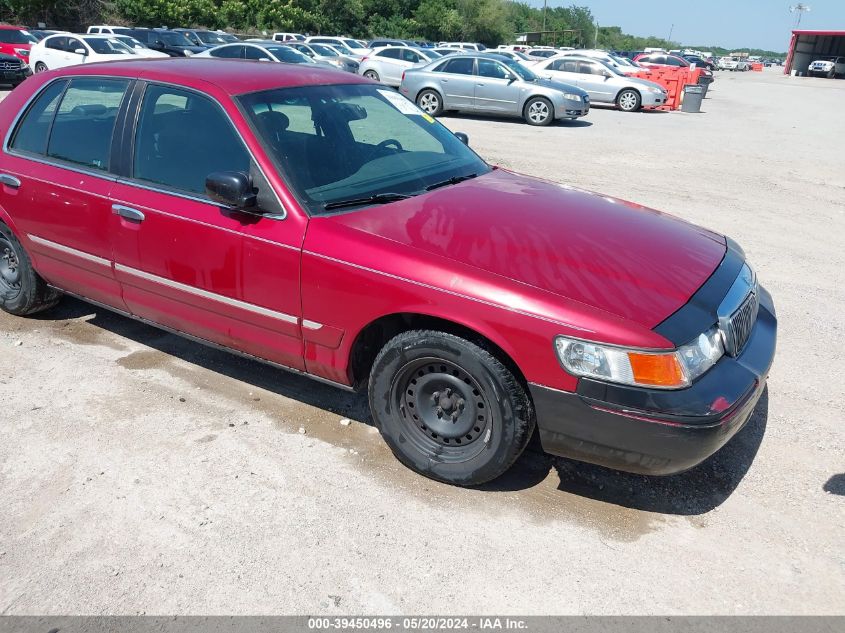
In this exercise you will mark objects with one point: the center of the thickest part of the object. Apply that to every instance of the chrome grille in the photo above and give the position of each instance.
(740, 324)
(10, 65)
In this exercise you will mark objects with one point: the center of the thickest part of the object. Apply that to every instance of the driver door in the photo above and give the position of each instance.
(592, 77)
(495, 88)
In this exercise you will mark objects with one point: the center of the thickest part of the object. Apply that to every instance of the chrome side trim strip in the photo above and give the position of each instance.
(311, 325)
(448, 292)
(67, 250)
(203, 341)
(205, 294)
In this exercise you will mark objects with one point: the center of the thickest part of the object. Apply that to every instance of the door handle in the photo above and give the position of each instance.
(127, 212)
(10, 181)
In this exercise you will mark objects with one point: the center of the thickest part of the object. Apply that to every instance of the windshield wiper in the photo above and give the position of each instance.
(379, 198)
(454, 180)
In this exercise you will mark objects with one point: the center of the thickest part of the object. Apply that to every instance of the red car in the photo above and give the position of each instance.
(16, 40)
(320, 222)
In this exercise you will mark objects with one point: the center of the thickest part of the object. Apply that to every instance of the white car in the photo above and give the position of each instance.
(830, 67)
(387, 64)
(358, 49)
(138, 48)
(108, 29)
(288, 37)
(733, 64)
(60, 50)
(469, 46)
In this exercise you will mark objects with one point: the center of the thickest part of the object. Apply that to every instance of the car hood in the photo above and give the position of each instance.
(630, 261)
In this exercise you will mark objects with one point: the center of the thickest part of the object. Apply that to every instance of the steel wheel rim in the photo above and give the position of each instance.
(40, 68)
(10, 269)
(538, 111)
(371, 75)
(628, 101)
(429, 103)
(444, 410)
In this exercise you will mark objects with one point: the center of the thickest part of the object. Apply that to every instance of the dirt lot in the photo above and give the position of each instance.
(140, 473)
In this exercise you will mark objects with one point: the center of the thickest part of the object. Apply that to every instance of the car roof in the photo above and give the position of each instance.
(233, 76)
(12, 27)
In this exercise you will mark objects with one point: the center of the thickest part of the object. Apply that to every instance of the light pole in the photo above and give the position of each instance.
(671, 28)
(544, 14)
(799, 9)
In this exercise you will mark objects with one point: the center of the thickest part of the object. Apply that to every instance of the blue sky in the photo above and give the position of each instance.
(740, 23)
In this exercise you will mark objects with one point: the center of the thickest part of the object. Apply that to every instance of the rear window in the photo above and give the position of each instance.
(84, 123)
(34, 128)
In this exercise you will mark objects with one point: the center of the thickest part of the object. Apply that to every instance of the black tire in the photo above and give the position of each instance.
(831, 74)
(449, 409)
(22, 290)
(430, 102)
(40, 67)
(541, 104)
(371, 74)
(629, 100)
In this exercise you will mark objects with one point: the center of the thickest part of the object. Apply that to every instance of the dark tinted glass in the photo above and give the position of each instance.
(458, 66)
(489, 68)
(251, 52)
(228, 52)
(56, 43)
(11, 36)
(182, 137)
(34, 128)
(390, 53)
(83, 126)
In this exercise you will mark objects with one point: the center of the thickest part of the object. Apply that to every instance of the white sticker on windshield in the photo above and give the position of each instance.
(400, 103)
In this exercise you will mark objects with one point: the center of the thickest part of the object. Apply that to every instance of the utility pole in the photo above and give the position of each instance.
(545, 2)
(799, 9)
(672, 28)
(596, 40)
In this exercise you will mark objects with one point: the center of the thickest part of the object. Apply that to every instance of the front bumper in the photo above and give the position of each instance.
(659, 432)
(569, 109)
(15, 76)
(652, 99)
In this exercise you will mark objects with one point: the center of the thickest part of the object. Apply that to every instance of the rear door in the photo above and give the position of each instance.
(389, 65)
(457, 80)
(224, 276)
(57, 181)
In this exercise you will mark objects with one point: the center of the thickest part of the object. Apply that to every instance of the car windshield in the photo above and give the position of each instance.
(353, 44)
(13, 36)
(131, 42)
(110, 46)
(354, 145)
(287, 54)
(430, 55)
(323, 51)
(172, 38)
(207, 37)
(520, 70)
(340, 48)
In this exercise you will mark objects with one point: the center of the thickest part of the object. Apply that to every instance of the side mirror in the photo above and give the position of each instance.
(511, 79)
(81, 51)
(463, 138)
(231, 189)
(158, 43)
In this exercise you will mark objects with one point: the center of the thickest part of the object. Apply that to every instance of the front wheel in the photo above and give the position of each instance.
(430, 102)
(22, 290)
(628, 100)
(371, 74)
(40, 67)
(449, 409)
(538, 111)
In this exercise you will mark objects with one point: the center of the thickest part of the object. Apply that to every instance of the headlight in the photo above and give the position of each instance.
(22, 51)
(188, 53)
(664, 370)
(571, 96)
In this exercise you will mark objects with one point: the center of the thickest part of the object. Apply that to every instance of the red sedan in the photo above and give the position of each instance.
(320, 222)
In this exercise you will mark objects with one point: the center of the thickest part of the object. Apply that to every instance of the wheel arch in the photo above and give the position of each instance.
(373, 336)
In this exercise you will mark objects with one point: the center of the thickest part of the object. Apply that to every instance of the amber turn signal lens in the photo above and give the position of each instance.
(660, 370)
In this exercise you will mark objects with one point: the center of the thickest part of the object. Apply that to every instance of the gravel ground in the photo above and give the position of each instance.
(140, 473)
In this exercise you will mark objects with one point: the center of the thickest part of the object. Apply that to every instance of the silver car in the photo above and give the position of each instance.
(266, 51)
(387, 64)
(487, 83)
(604, 83)
(323, 53)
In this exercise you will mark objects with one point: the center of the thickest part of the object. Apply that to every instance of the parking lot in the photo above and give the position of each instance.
(142, 473)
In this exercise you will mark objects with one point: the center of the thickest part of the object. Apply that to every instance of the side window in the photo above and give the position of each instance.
(390, 53)
(83, 125)
(73, 45)
(173, 146)
(410, 56)
(228, 52)
(457, 66)
(585, 68)
(673, 61)
(596, 69)
(56, 43)
(492, 69)
(251, 52)
(570, 66)
(34, 128)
